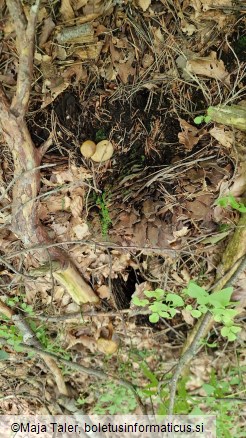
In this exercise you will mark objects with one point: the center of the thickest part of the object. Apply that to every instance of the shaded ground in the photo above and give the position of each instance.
(145, 218)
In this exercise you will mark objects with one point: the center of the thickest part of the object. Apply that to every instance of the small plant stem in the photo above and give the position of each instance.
(30, 338)
(82, 369)
(186, 357)
(201, 329)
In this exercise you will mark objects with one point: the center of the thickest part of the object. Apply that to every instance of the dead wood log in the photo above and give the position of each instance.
(27, 158)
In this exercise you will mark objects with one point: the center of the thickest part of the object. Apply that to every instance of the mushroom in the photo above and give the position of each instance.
(88, 148)
(104, 151)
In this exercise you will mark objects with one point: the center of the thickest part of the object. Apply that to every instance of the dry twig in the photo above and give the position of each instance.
(85, 370)
(29, 338)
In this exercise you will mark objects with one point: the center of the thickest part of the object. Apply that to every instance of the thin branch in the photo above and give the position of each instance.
(30, 338)
(45, 146)
(85, 370)
(95, 244)
(11, 268)
(185, 359)
(203, 324)
(92, 313)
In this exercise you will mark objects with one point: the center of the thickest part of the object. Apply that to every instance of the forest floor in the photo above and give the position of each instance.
(138, 74)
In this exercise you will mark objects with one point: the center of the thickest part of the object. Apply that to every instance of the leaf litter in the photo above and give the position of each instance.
(130, 74)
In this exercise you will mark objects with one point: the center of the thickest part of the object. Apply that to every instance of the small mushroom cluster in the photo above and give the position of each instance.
(99, 152)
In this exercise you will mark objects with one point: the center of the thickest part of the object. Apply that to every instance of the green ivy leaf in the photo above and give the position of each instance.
(230, 200)
(189, 308)
(203, 308)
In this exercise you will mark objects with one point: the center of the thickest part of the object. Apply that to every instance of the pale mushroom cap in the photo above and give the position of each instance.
(104, 151)
(88, 148)
(107, 346)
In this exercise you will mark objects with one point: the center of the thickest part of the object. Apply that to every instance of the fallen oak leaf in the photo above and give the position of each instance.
(208, 66)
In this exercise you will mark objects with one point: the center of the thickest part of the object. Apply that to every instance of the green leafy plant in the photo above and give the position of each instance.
(218, 304)
(231, 201)
(202, 119)
(217, 402)
(14, 338)
(102, 202)
(111, 399)
(162, 304)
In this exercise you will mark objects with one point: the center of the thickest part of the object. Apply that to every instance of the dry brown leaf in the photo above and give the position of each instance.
(126, 70)
(42, 14)
(86, 341)
(94, 8)
(189, 136)
(56, 89)
(72, 174)
(200, 207)
(122, 66)
(91, 51)
(103, 292)
(187, 317)
(239, 185)
(208, 66)
(60, 53)
(108, 72)
(66, 10)
(76, 205)
(79, 228)
(46, 31)
(223, 135)
(180, 233)
(147, 60)
(144, 4)
(58, 203)
(7, 79)
(76, 70)
(188, 28)
(77, 4)
(210, 4)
